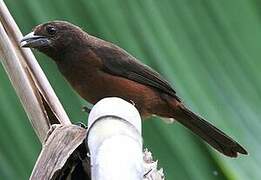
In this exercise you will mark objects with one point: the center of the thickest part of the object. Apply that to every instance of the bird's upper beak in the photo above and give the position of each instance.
(33, 41)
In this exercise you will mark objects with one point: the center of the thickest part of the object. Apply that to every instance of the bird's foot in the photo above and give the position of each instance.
(132, 102)
(86, 109)
(81, 125)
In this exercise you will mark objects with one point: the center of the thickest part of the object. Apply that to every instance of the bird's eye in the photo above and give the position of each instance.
(51, 30)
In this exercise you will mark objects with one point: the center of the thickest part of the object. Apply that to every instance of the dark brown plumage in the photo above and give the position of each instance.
(98, 69)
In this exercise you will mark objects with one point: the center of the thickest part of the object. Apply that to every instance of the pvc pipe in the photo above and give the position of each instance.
(114, 140)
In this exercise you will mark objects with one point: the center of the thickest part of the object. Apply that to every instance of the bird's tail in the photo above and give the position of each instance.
(213, 136)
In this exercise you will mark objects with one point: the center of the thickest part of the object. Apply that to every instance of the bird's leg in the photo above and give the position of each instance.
(81, 124)
(86, 109)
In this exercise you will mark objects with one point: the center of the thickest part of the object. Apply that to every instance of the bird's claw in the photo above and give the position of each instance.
(86, 109)
(81, 125)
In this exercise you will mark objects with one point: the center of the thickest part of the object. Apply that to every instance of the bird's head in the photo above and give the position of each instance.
(55, 37)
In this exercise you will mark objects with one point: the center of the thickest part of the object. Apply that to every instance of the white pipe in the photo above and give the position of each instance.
(114, 140)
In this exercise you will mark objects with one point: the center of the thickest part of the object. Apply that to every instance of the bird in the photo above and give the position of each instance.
(96, 69)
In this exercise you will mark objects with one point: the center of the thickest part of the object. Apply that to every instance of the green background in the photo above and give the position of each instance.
(209, 50)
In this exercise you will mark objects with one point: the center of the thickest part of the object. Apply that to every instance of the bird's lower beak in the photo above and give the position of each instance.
(33, 41)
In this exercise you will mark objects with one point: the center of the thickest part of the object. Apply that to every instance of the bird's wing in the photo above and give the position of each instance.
(118, 62)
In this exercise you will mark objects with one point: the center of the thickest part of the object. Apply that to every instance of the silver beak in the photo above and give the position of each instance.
(33, 41)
